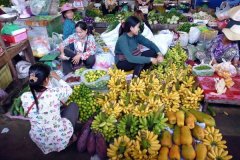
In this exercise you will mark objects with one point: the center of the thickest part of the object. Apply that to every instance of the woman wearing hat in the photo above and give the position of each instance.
(67, 11)
(224, 46)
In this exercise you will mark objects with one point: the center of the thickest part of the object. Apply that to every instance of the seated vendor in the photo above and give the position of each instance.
(128, 55)
(224, 46)
(85, 48)
(139, 14)
(109, 7)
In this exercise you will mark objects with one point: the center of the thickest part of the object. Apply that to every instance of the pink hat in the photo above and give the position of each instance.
(67, 7)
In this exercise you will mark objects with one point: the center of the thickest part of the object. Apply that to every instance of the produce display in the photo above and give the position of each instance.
(94, 75)
(95, 79)
(203, 16)
(79, 71)
(16, 108)
(171, 17)
(84, 98)
(185, 27)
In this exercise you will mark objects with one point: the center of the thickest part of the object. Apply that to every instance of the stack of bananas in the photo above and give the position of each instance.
(178, 88)
(140, 97)
(215, 145)
(106, 125)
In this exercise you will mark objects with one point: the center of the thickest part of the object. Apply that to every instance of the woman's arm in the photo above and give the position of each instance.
(146, 42)
(65, 43)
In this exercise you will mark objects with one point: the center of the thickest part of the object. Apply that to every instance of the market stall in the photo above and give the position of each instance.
(155, 116)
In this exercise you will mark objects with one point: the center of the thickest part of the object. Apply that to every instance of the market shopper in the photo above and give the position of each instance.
(51, 129)
(67, 11)
(139, 14)
(128, 55)
(224, 46)
(85, 48)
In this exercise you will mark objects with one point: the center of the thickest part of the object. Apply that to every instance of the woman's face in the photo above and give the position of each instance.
(81, 33)
(135, 30)
(69, 14)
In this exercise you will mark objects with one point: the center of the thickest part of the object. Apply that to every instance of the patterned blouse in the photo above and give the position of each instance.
(49, 131)
(79, 45)
(218, 50)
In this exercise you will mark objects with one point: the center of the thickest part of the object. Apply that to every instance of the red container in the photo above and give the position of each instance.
(16, 38)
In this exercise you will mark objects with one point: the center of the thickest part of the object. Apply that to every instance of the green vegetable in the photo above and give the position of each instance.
(203, 68)
(185, 27)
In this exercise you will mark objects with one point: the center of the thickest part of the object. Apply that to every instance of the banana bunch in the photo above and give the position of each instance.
(218, 153)
(137, 85)
(212, 131)
(129, 126)
(155, 122)
(170, 100)
(106, 125)
(112, 108)
(120, 149)
(146, 146)
(212, 141)
(190, 98)
(176, 55)
(117, 81)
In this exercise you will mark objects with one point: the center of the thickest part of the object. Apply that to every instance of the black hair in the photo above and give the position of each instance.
(84, 26)
(40, 71)
(131, 21)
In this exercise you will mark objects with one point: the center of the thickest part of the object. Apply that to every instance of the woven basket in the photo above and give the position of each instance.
(5, 77)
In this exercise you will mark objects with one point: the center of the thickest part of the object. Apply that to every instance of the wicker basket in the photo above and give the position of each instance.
(5, 76)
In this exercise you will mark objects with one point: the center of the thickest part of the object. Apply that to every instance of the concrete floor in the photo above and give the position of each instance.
(16, 144)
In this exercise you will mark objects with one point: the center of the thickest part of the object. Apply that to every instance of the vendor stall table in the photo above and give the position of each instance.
(6, 58)
(232, 95)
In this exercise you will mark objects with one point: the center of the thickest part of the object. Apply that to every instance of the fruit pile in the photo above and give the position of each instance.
(156, 116)
(84, 98)
(94, 75)
(95, 79)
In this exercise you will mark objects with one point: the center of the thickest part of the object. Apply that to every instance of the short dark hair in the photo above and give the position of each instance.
(131, 21)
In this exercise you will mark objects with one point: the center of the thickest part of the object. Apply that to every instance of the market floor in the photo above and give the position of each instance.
(16, 144)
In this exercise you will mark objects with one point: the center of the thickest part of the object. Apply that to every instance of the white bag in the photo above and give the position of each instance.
(163, 40)
(183, 39)
(22, 68)
(222, 11)
(104, 61)
(194, 35)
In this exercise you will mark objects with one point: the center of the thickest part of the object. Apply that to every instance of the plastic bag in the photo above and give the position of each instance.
(104, 61)
(40, 7)
(194, 35)
(55, 40)
(163, 40)
(99, 84)
(204, 72)
(183, 39)
(222, 11)
(22, 68)
(39, 41)
(224, 67)
(191, 52)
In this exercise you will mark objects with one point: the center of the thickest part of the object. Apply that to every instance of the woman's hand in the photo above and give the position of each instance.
(154, 60)
(160, 58)
(76, 59)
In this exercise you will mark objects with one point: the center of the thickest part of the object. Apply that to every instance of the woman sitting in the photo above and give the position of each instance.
(223, 47)
(85, 48)
(128, 55)
(51, 129)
